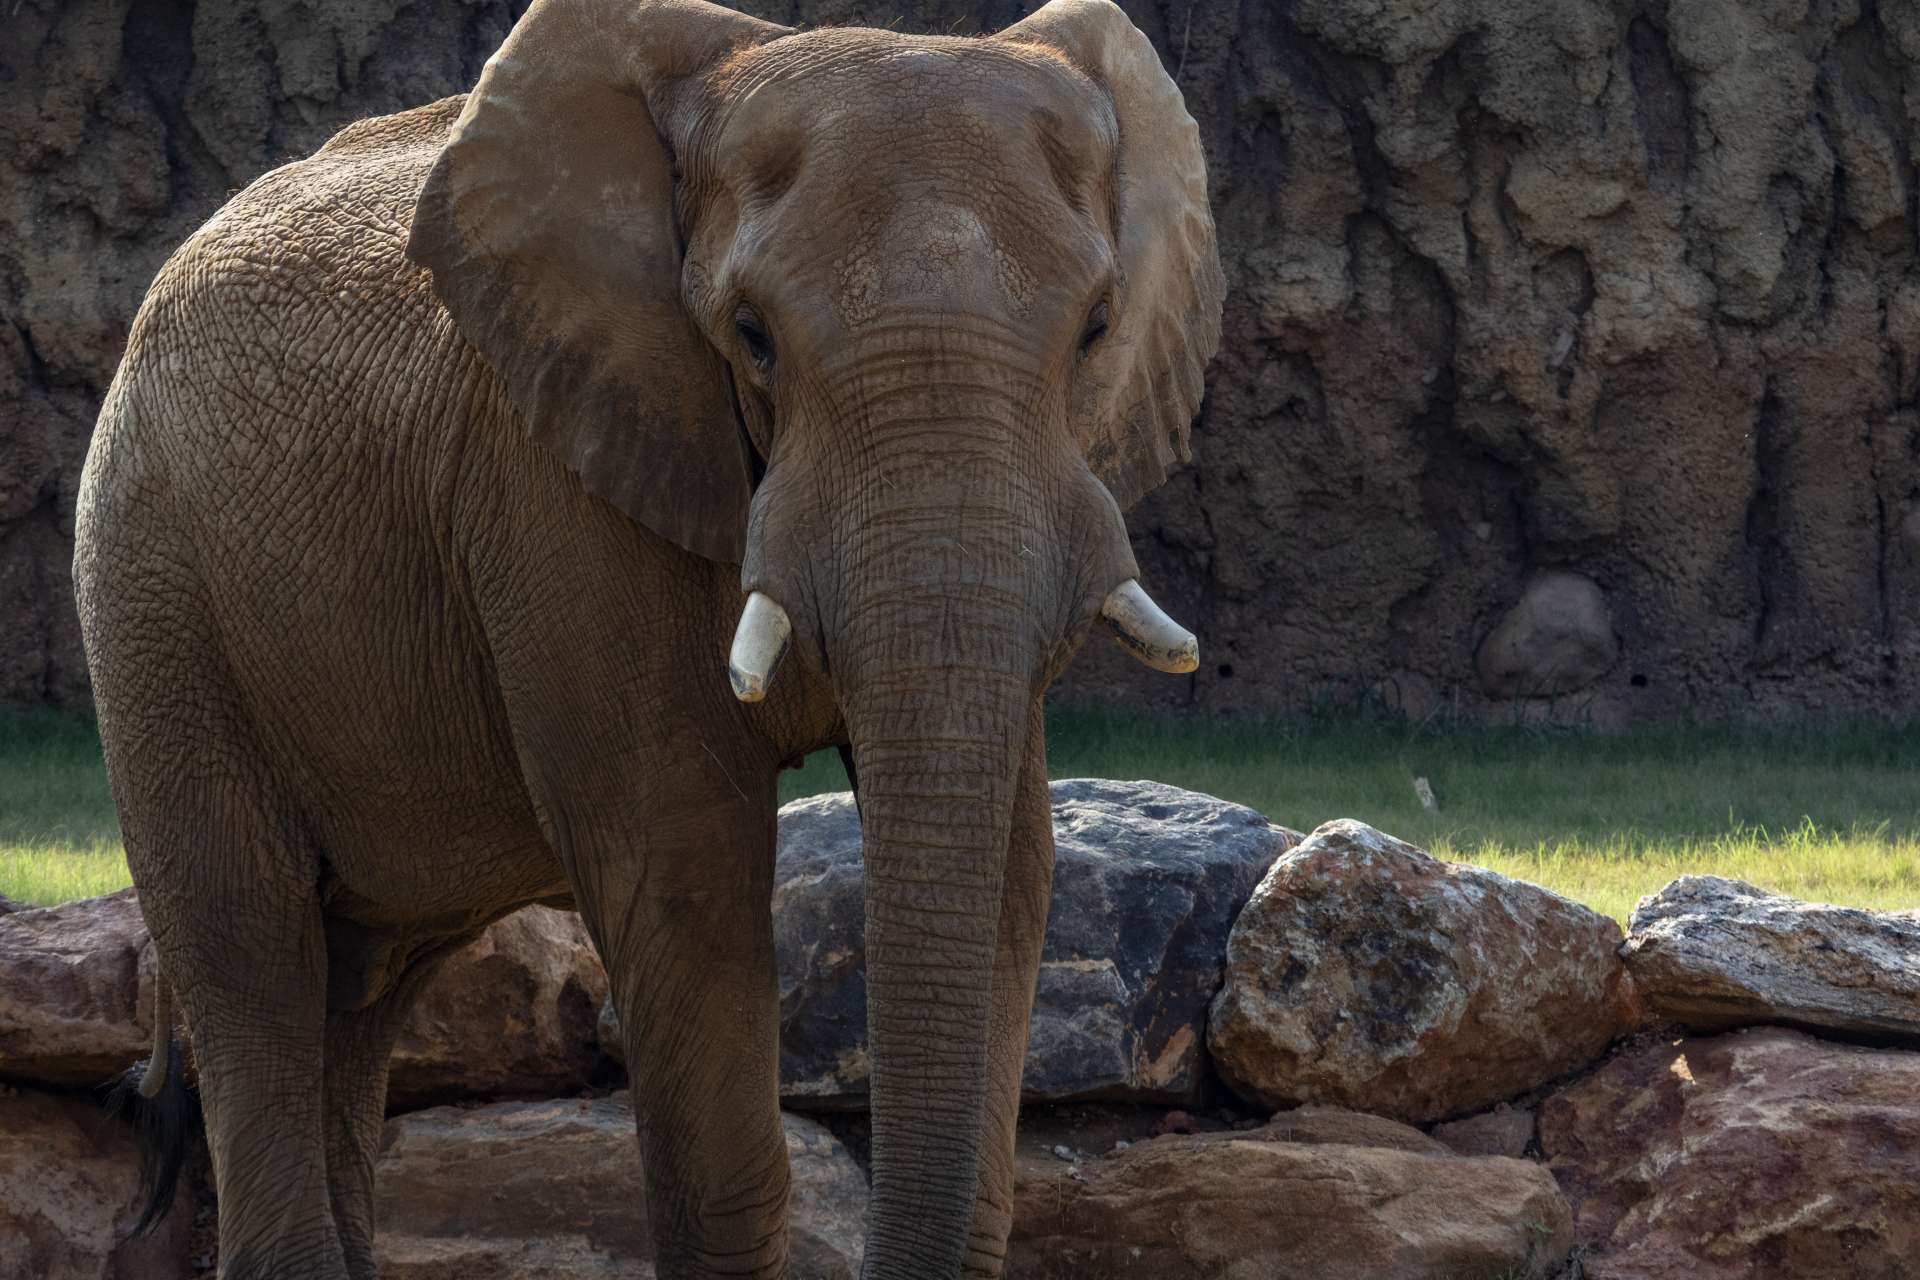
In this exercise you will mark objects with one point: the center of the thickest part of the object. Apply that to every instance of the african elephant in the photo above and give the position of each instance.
(440, 469)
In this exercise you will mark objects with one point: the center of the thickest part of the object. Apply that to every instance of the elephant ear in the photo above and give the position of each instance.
(1144, 383)
(548, 225)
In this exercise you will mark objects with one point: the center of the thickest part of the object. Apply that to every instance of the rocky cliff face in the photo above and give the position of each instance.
(1596, 301)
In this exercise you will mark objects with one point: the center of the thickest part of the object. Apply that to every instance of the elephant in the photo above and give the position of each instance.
(490, 504)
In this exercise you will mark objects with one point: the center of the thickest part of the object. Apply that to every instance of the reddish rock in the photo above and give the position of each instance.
(1503, 1131)
(1317, 1126)
(1318, 1195)
(69, 1191)
(1366, 973)
(1712, 953)
(72, 1006)
(1760, 1155)
(512, 1014)
(539, 1190)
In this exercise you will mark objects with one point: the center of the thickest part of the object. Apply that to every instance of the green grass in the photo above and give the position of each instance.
(59, 838)
(1831, 814)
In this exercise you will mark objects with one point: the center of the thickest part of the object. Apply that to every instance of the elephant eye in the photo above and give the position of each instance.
(1096, 327)
(753, 336)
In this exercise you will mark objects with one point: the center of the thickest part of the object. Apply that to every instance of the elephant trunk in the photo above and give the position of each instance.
(938, 758)
(938, 639)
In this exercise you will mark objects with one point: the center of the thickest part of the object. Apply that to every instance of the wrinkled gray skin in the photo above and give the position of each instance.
(420, 516)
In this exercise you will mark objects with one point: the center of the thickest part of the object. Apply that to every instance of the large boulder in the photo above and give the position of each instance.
(1713, 953)
(553, 1191)
(69, 1190)
(510, 1015)
(73, 1006)
(1764, 1154)
(1558, 639)
(1326, 1195)
(1366, 973)
(1147, 881)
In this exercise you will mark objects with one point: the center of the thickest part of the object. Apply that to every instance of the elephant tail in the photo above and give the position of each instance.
(164, 1110)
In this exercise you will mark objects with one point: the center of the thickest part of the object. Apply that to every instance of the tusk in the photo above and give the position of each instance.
(758, 644)
(1147, 633)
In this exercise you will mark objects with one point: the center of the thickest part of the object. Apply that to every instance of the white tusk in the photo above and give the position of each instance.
(1147, 633)
(758, 643)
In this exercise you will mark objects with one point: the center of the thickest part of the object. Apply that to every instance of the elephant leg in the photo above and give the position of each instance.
(228, 883)
(359, 1045)
(257, 1021)
(1023, 925)
(688, 946)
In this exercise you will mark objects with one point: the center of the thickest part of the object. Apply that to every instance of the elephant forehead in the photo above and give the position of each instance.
(862, 98)
(871, 170)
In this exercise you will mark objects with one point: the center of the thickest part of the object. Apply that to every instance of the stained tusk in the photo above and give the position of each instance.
(1147, 633)
(758, 642)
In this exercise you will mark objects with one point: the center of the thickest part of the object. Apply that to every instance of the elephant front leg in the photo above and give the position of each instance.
(1023, 925)
(688, 945)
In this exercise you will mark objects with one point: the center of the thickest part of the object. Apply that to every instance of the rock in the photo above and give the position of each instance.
(1366, 973)
(1565, 283)
(552, 1190)
(1558, 639)
(1336, 1126)
(1763, 1153)
(1503, 1131)
(1712, 953)
(73, 1010)
(1147, 880)
(1324, 1196)
(69, 1191)
(510, 1015)
(606, 1031)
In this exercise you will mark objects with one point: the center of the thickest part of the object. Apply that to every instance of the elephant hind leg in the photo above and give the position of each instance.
(256, 1012)
(228, 884)
(227, 872)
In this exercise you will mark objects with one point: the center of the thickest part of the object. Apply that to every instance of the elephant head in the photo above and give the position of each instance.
(899, 324)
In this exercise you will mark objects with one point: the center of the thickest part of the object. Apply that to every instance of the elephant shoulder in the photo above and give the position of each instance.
(422, 130)
(305, 261)
(369, 172)
(335, 220)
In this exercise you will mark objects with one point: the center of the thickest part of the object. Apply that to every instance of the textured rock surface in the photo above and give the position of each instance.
(512, 1014)
(1623, 289)
(1712, 953)
(68, 1192)
(1147, 880)
(1557, 640)
(1503, 1131)
(532, 1190)
(1760, 1155)
(75, 997)
(1368, 974)
(1337, 1196)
